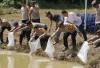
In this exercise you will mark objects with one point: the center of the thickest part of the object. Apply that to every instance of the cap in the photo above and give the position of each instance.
(47, 13)
(64, 11)
(28, 22)
(33, 2)
(95, 3)
(15, 23)
(98, 31)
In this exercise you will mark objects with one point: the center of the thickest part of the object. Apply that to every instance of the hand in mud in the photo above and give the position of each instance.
(90, 43)
(80, 34)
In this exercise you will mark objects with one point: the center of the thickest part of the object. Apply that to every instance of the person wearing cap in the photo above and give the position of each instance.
(4, 25)
(25, 31)
(40, 33)
(39, 25)
(68, 29)
(34, 13)
(96, 5)
(72, 18)
(24, 10)
(57, 19)
(95, 40)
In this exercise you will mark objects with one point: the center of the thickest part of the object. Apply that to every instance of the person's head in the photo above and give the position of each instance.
(61, 25)
(33, 3)
(23, 3)
(98, 32)
(0, 20)
(64, 13)
(48, 14)
(29, 24)
(36, 28)
(16, 24)
(95, 4)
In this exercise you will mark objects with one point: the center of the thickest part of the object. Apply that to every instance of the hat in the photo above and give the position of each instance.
(98, 31)
(28, 22)
(60, 23)
(15, 23)
(33, 2)
(95, 3)
(47, 13)
(64, 11)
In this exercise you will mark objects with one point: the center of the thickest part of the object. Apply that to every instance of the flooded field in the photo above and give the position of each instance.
(10, 59)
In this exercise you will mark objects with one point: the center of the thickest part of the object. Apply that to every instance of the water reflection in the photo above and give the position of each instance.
(20, 60)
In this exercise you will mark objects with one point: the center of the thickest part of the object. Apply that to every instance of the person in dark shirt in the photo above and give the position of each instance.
(57, 19)
(4, 25)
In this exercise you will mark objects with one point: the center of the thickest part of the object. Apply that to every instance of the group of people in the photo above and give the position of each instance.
(32, 28)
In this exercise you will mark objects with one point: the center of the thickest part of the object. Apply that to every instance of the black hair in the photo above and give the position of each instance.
(64, 11)
(36, 27)
(28, 22)
(94, 4)
(33, 2)
(47, 13)
(23, 1)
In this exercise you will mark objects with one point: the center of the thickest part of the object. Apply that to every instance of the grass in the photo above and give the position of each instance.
(16, 16)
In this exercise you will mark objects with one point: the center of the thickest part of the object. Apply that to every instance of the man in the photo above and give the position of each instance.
(34, 13)
(68, 29)
(24, 10)
(95, 40)
(96, 5)
(4, 25)
(57, 19)
(72, 18)
(39, 25)
(40, 33)
(25, 31)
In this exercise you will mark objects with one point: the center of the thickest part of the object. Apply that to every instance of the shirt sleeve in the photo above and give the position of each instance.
(76, 28)
(94, 38)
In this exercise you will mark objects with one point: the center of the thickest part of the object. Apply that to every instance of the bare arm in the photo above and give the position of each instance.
(50, 25)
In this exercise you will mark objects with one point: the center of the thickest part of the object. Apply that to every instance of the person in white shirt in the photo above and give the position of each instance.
(34, 13)
(24, 10)
(72, 18)
(68, 29)
(96, 5)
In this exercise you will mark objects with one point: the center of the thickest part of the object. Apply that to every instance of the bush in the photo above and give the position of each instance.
(7, 3)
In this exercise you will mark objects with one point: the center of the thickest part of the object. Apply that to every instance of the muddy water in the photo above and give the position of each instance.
(10, 59)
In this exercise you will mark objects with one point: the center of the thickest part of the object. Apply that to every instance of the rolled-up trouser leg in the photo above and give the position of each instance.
(73, 36)
(65, 37)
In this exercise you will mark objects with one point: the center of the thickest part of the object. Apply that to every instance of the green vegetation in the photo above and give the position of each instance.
(49, 4)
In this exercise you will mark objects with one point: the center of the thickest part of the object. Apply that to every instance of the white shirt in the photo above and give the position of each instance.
(24, 13)
(35, 13)
(98, 15)
(72, 17)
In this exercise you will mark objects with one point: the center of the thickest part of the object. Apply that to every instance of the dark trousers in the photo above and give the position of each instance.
(23, 34)
(81, 29)
(73, 37)
(43, 41)
(36, 20)
(1, 33)
(98, 25)
(24, 21)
